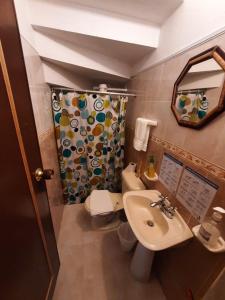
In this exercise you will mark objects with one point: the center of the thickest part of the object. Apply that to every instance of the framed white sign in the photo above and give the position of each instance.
(196, 193)
(170, 172)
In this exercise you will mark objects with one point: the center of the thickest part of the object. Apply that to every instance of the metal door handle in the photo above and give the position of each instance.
(45, 174)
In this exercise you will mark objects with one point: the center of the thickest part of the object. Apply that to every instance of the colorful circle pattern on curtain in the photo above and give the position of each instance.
(90, 139)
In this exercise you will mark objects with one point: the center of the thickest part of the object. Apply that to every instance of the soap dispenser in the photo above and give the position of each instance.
(151, 168)
(209, 230)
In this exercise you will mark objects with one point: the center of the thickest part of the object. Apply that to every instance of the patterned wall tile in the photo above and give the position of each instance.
(213, 169)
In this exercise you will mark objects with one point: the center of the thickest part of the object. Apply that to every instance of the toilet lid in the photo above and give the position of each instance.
(100, 202)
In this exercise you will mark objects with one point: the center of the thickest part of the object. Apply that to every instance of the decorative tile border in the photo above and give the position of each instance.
(199, 162)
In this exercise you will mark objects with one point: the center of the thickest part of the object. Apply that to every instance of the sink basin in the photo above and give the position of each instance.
(153, 229)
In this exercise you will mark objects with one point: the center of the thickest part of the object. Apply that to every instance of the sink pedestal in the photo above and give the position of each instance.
(141, 263)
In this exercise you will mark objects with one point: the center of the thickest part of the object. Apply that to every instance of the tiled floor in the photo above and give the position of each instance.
(93, 265)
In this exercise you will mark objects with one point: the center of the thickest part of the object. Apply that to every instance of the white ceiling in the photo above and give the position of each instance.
(94, 76)
(99, 40)
(126, 52)
(153, 11)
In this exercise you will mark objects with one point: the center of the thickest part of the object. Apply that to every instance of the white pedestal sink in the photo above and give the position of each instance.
(153, 229)
(141, 263)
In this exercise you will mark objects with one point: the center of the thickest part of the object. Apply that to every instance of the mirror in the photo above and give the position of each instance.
(199, 92)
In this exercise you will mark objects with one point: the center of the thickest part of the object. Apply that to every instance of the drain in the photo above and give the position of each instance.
(150, 223)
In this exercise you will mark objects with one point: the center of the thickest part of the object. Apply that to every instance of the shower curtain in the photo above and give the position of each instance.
(90, 138)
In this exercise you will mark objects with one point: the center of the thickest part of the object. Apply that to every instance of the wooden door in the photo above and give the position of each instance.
(29, 259)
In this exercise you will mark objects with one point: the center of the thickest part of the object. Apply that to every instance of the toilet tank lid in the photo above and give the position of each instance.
(132, 182)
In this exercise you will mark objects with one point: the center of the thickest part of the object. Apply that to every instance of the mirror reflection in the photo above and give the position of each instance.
(199, 91)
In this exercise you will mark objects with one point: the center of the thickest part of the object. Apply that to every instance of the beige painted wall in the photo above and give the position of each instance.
(216, 291)
(41, 102)
(154, 88)
(190, 268)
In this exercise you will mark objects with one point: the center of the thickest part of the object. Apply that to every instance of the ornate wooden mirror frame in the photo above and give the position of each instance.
(219, 56)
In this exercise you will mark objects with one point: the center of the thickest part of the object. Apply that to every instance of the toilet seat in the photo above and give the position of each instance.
(116, 199)
(100, 203)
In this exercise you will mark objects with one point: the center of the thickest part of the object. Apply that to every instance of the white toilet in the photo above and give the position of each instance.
(112, 202)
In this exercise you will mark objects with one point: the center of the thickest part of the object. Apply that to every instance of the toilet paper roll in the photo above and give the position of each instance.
(131, 167)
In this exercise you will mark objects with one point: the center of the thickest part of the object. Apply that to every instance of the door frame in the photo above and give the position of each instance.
(17, 87)
(25, 163)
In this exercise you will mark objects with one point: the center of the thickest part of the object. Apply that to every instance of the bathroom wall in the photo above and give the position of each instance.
(216, 291)
(41, 102)
(193, 22)
(189, 269)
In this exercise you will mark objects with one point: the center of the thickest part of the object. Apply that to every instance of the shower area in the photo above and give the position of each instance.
(90, 136)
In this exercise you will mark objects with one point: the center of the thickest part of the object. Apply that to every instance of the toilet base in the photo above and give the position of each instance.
(108, 222)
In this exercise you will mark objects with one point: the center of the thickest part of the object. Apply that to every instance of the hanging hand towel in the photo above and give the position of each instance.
(142, 130)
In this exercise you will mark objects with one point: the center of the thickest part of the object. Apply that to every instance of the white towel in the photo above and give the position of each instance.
(100, 202)
(142, 130)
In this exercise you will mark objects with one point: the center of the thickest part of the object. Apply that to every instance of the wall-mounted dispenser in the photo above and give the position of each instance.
(209, 233)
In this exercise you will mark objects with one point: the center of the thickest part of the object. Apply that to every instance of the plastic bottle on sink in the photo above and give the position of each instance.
(210, 228)
(151, 168)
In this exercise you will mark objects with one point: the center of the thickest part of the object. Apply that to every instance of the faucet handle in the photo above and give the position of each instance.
(164, 198)
(161, 197)
(167, 202)
(173, 209)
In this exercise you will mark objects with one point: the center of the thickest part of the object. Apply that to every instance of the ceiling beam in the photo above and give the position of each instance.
(69, 16)
(50, 47)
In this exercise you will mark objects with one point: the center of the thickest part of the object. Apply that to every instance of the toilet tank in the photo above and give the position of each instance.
(130, 182)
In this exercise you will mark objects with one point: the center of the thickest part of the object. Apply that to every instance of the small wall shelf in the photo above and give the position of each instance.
(219, 247)
(151, 178)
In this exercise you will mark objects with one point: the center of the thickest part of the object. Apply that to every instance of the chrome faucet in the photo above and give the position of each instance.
(165, 206)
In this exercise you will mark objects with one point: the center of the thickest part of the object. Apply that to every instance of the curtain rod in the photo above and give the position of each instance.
(111, 89)
(92, 92)
(192, 91)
